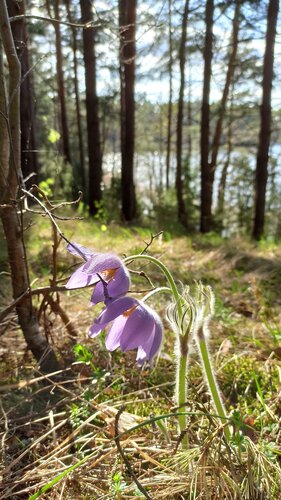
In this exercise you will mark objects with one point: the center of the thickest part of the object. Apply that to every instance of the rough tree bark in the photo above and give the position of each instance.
(60, 82)
(170, 103)
(77, 101)
(223, 177)
(179, 174)
(265, 122)
(207, 189)
(10, 161)
(221, 114)
(29, 159)
(92, 108)
(205, 118)
(127, 27)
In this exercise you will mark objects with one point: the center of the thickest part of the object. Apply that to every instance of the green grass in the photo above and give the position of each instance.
(59, 436)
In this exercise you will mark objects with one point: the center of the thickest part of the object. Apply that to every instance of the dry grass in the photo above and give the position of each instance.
(61, 433)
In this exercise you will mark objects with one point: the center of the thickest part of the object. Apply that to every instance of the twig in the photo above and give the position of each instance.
(143, 275)
(37, 291)
(57, 309)
(28, 193)
(152, 237)
(126, 461)
(52, 20)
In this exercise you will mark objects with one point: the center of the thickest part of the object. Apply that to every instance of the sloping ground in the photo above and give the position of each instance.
(65, 428)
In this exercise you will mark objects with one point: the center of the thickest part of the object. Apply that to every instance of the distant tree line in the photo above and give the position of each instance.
(66, 47)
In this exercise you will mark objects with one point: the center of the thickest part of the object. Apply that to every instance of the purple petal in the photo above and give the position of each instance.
(80, 279)
(144, 348)
(114, 309)
(120, 284)
(98, 294)
(79, 250)
(102, 262)
(112, 340)
(96, 329)
(138, 328)
(148, 350)
(141, 356)
(157, 341)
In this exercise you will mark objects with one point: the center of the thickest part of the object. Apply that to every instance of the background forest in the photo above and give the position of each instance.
(152, 130)
(188, 132)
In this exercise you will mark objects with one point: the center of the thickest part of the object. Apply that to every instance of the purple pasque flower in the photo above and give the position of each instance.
(133, 325)
(105, 270)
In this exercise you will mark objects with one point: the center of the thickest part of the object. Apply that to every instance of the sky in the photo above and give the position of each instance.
(152, 20)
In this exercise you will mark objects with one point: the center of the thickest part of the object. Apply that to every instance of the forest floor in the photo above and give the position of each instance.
(60, 438)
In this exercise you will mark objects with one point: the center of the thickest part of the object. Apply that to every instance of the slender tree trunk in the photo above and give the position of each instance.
(92, 107)
(60, 81)
(205, 121)
(61, 88)
(77, 102)
(170, 103)
(179, 173)
(10, 160)
(265, 124)
(189, 116)
(222, 181)
(127, 26)
(218, 130)
(29, 160)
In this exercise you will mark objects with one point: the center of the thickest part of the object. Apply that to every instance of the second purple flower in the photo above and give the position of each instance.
(134, 325)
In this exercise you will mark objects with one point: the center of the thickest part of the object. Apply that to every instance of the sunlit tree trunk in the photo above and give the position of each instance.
(60, 81)
(205, 120)
(29, 160)
(221, 114)
(92, 107)
(77, 102)
(179, 173)
(170, 102)
(127, 27)
(210, 167)
(11, 177)
(223, 177)
(265, 125)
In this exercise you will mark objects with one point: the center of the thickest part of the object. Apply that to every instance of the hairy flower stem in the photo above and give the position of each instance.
(181, 393)
(211, 380)
(182, 362)
(156, 290)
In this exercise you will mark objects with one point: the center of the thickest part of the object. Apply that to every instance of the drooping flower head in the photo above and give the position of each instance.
(105, 270)
(133, 325)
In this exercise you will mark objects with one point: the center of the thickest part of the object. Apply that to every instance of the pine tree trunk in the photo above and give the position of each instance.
(228, 80)
(29, 159)
(206, 184)
(206, 221)
(127, 27)
(77, 104)
(179, 173)
(10, 160)
(92, 108)
(223, 177)
(60, 83)
(170, 103)
(265, 125)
